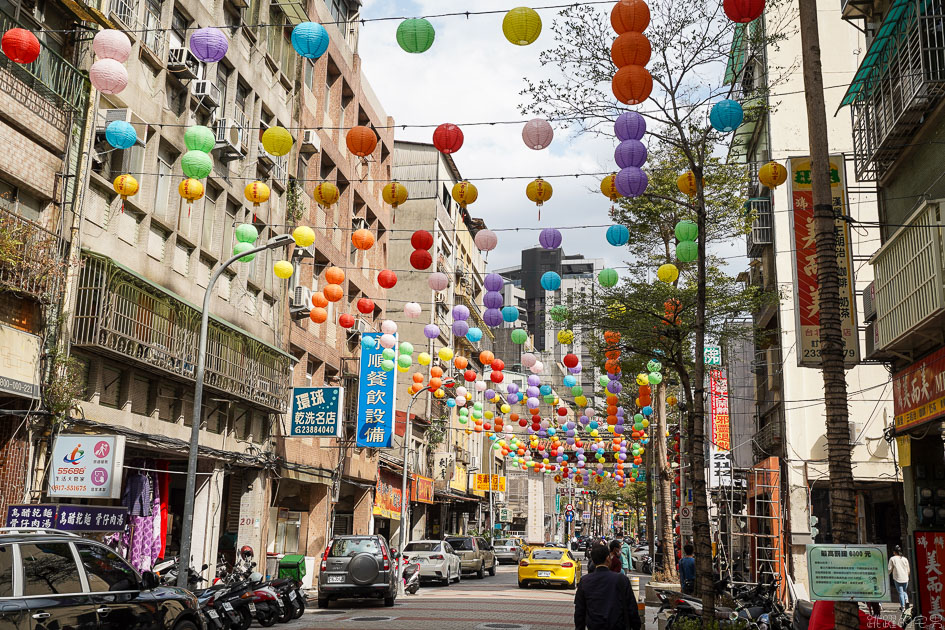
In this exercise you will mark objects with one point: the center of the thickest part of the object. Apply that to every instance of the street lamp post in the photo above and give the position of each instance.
(187, 529)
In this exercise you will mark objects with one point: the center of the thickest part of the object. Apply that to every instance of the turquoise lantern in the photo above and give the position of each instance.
(310, 40)
(726, 115)
(550, 281)
(509, 314)
(618, 235)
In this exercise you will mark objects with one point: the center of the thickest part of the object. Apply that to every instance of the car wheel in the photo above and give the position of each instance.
(522, 585)
(492, 568)
(323, 602)
(186, 624)
(448, 579)
(572, 584)
(459, 576)
(481, 573)
(389, 601)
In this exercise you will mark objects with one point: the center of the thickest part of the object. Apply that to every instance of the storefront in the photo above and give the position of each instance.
(421, 507)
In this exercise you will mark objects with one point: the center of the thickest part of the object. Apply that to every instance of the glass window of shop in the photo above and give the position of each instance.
(285, 527)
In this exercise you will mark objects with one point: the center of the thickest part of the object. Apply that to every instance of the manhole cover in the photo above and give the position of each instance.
(370, 619)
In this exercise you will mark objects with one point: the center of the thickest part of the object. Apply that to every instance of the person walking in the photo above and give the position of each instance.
(687, 571)
(626, 554)
(605, 600)
(899, 569)
(613, 560)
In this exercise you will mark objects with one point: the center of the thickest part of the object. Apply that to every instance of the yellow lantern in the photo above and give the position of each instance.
(538, 191)
(505, 408)
(643, 379)
(667, 273)
(522, 26)
(277, 141)
(445, 354)
(565, 337)
(326, 194)
(303, 235)
(439, 393)
(126, 186)
(190, 189)
(687, 183)
(283, 269)
(581, 401)
(464, 193)
(394, 194)
(256, 192)
(671, 400)
(424, 359)
(772, 175)
(608, 187)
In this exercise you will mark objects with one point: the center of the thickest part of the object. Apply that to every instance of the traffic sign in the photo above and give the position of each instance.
(685, 520)
(569, 508)
(569, 516)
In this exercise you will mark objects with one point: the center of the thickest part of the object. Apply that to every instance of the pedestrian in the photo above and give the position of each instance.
(613, 560)
(604, 599)
(687, 571)
(899, 569)
(626, 555)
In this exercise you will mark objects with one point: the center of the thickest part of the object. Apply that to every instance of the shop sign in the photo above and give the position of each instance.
(712, 355)
(421, 489)
(459, 481)
(847, 573)
(904, 448)
(505, 515)
(87, 466)
(806, 285)
(929, 561)
(376, 395)
(387, 494)
(482, 483)
(66, 517)
(720, 457)
(919, 392)
(19, 362)
(316, 412)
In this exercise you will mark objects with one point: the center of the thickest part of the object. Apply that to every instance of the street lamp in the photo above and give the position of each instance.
(190, 493)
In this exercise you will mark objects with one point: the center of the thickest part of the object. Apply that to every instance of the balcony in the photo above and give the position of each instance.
(767, 441)
(126, 315)
(762, 225)
(910, 282)
(32, 259)
(901, 79)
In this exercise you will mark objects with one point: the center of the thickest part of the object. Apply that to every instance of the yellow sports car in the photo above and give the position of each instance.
(549, 565)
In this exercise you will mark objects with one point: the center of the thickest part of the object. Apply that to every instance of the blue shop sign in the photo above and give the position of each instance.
(316, 412)
(376, 396)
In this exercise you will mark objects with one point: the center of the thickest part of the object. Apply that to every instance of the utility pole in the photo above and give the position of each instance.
(842, 498)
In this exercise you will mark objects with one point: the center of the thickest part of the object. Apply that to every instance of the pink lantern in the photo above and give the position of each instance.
(529, 359)
(538, 134)
(108, 76)
(438, 281)
(112, 44)
(412, 310)
(486, 240)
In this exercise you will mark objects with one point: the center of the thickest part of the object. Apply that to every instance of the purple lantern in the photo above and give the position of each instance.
(492, 317)
(630, 153)
(550, 238)
(631, 182)
(532, 391)
(489, 394)
(614, 387)
(575, 370)
(492, 299)
(512, 388)
(431, 331)
(630, 126)
(460, 313)
(493, 282)
(209, 44)
(532, 403)
(534, 380)
(460, 328)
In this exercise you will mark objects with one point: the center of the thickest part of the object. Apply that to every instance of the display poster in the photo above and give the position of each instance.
(387, 494)
(87, 466)
(844, 573)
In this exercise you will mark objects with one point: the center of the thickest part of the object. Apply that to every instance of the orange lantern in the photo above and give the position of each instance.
(612, 366)
(361, 140)
(630, 15)
(436, 371)
(646, 390)
(318, 315)
(460, 363)
(435, 383)
(319, 300)
(334, 275)
(612, 354)
(632, 84)
(333, 292)
(417, 377)
(612, 337)
(362, 239)
(631, 49)
(486, 357)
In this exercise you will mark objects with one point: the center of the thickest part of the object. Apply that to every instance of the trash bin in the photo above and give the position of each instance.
(292, 566)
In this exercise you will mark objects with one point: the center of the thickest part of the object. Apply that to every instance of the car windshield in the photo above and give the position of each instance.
(461, 544)
(348, 547)
(546, 554)
(504, 542)
(423, 546)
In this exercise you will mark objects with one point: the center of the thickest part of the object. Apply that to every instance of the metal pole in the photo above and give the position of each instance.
(491, 503)
(187, 530)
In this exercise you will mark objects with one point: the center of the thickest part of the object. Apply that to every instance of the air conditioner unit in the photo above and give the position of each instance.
(855, 429)
(869, 302)
(207, 92)
(228, 139)
(265, 160)
(182, 62)
(302, 298)
(473, 460)
(310, 141)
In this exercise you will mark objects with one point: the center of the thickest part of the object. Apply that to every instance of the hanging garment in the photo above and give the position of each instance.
(164, 486)
(155, 516)
(137, 494)
(142, 543)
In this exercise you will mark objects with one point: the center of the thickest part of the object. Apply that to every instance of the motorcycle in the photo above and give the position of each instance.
(411, 576)
(266, 602)
(289, 600)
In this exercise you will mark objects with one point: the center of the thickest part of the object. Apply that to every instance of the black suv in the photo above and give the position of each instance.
(51, 579)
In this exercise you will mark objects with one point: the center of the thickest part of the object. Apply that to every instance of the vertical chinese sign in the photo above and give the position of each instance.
(929, 564)
(316, 412)
(376, 391)
(387, 495)
(720, 455)
(806, 285)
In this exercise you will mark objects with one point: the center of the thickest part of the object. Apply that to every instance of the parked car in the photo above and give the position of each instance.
(54, 579)
(507, 549)
(639, 555)
(437, 559)
(476, 554)
(357, 566)
(549, 566)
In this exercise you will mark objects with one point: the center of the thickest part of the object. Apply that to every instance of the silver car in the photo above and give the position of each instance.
(507, 550)
(437, 560)
(357, 566)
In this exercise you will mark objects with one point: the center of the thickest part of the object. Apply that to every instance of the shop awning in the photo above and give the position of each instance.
(443, 496)
(879, 51)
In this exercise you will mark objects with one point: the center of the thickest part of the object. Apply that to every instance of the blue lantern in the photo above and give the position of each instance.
(726, 115)
(618, 235)
(474, 335)
(121, 134)
(368, 342)
(545, 390)
(510, 314)
(310, 40)
(550, 281)
(570, 381)
(647, 411)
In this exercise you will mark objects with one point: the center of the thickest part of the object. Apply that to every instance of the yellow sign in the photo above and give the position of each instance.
(482, 483)
(459, 482)
(904, 444)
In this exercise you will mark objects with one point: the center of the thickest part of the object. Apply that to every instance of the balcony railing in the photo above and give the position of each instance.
(126, 11)
(762, 225)
(154, 37)
(31, 257)
(125, 314)
(767, 441)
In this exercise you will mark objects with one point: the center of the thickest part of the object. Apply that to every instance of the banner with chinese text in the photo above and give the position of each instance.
(376, 392)
(68, 517)
(919, 392)
(387, 494)
(421, 489)
(482, 483)
(316, 412)
(806, 286)
(929, 564)
(720, 457)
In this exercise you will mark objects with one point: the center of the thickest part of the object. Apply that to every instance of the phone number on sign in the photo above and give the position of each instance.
(328, 431)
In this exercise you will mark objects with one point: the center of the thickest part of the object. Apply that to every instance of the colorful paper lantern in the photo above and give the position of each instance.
(687, 251)
(519, 336)
(362, 239)
(394, 194)
(305, 236)
(630, 126)
(686, 183)
(726, 115)
(108, 43)
(108, 76)
(412, 310)
(415, 35)
(550, 281)
(386, 279)
(346, 320)
(256, 193)
(365, 306)
(632, 84)
(521, 26)
(460, 329)
(608, 187)
(121, 134)
(318, 315)
(246, 233)
(492, 317)
(607, 278)
(438, 281)
(538, 192)
(196, 164)
(361, 140)
(126, 186)
(326, 194)
(772, 175)
(448, 138)
(333, 275)
(486, 240)
(492, 299)
(550, 238)
(630, 15)
(333, 292)
(630, 153)
(242, 248)
(509, 314)
(277, 141)
(421, 239)
(209, 44)
(283, 269)
(310, 40)
(421, 259)
(686, 230)
(618, 235)
(631, 49)
(631, 182)
(743, 11)
(565, 337)
(558, 312)
(199, 138)
(20, 45)
(538, 134)
(191, 190)
(667, 273)
(464, 193)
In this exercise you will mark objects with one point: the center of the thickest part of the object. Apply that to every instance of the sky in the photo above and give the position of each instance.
(472, 73)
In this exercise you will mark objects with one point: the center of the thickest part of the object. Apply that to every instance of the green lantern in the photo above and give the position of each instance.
(463, 411)
(558, 312)
(246, 233)
(519, 336)
(196, 164)
(654, 366)
(638, 417)
(686, 230)
(415, 35)
(655, 378)
(550, 398)
(607, 278)
(687, 251)
(603, 380)
(387, 365)
(404, 361)
(199, 138)
(406, 348)
(388, 354)
(240, 247)
(577, 390)
(463, 420)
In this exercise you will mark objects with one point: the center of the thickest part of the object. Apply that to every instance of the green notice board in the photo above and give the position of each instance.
(847, 573)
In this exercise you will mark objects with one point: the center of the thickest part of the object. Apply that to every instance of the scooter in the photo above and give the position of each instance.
(265, 601)
(411, 576)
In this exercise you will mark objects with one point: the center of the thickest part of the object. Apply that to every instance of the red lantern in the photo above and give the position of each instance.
(570, 360)
(421, 259)
(498, 365)
(496, 376)
(20, 45)
(632, 84)
(346, 320)
(630, 15)
(366, 305)
(421, 239)
(469, 375)
(387, 278)
(448, 138)
(631, 49)
(562, 411)
(743, 11)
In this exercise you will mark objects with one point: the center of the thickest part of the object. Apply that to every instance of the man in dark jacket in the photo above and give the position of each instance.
(605, 599)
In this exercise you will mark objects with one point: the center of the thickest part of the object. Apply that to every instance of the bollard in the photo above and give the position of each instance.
(635, 583)
(641, 607)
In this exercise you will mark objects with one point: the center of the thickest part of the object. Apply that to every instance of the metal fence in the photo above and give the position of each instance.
(31, 257)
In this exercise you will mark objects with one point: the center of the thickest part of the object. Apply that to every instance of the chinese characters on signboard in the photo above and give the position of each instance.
(847, 573)
(316, 412)
(806, 285)
(387, 494)
(482, 483)
(929, 560)
(712, 355)
(421, 489)
(720, 456)
(376, 390)
(87, 466)
(67, 517)
(919, 391)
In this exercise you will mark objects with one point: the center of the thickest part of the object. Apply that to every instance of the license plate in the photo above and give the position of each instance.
(336, 579)
(542, 574)
(227, 606)
(292, 595)
(213, 614)
(252, 608)
(281, 605)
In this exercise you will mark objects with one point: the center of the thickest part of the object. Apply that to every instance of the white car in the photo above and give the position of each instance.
(437, 560)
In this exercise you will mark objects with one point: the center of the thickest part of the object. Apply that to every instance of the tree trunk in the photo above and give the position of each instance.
(665, 472)
(650, 467)
(842, 495)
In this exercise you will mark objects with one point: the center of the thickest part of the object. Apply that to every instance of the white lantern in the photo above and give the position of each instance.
(460, 391)
(389, 327)
(529, 359)
(388, 341)
(438, 281)
(412, 310)
(480, 386)
(112, 44)
(108, 76)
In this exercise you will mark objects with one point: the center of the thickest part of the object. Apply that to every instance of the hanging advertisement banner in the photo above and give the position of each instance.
(929, 552)
(919, 392)
(387, 494)
(87, 466)
(19, 362)
(421, 489)
(720, 456)
(68, 517)
(376, 396)
(316, 412)
(481, 482)
(806, 285)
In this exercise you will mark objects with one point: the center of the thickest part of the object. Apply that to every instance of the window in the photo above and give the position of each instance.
(546, 554)
(111, 387)
(462, 544)
(278, 42)
(181, 261)
(179, 24)
(209, 218)
(49, 569)
(203, 272)
(140, 393)
(223, 79)
(225, 285)
(157, 241)
(339, 11)
(284, 537)
(105, 570)
(162, 187)
(423, 546)
(233, 212)
(6, 571)
(309, 74)
(350, 547)
(20, 202)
